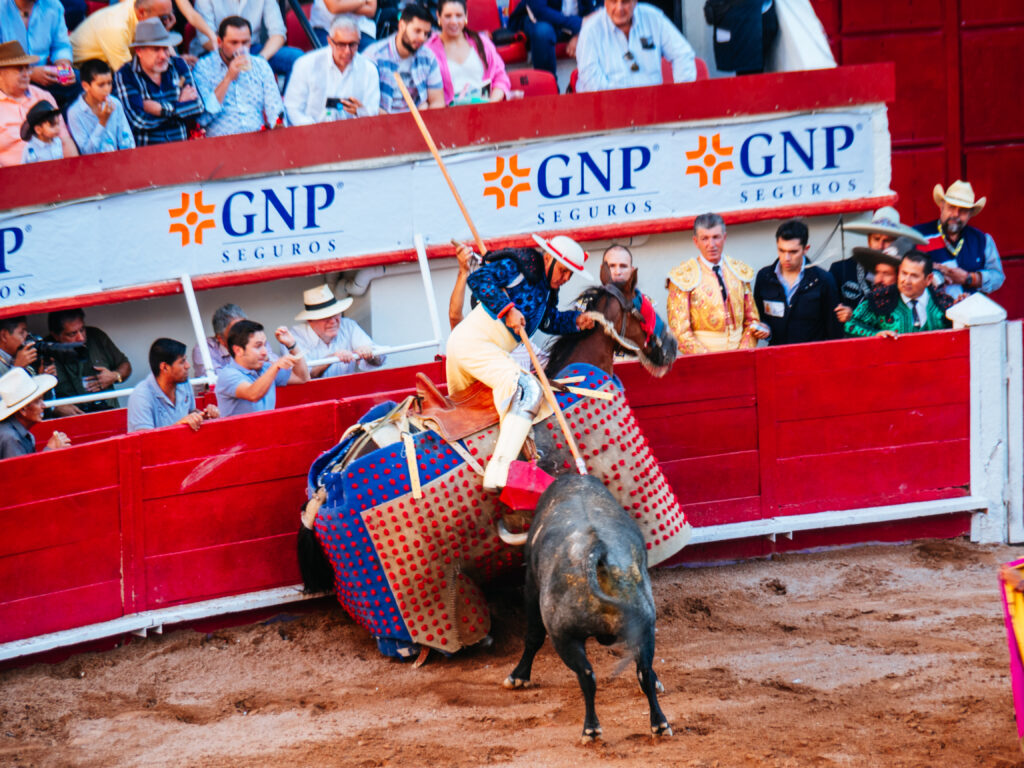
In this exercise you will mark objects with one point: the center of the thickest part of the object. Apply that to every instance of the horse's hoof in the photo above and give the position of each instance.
(661, 730)
(590, 735)
(516, 682)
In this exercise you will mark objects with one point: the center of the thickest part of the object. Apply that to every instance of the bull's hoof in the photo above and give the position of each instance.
(590, 735)
(661, 730)
(516, 682)
(658, 686)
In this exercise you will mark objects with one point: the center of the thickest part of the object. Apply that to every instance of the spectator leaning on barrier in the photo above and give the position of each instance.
(239, 90)
(909, 306)
(41, 134)
(265, 22)
(325, 333)
(107, 34)
(40, 28)
(21, 408)
(164, 397)
(105, 365)
(249, 382)
(333, 83)
(96, 118)
(622, 45)
(710, 302)
(17, 96)
(225, 317)
(156, 87)
(966, 257)
(744, 31)
(16, 350)
(404, 52)
(796, 300)
(547, 23)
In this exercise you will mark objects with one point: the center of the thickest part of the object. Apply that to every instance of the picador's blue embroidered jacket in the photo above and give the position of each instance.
(517, 276)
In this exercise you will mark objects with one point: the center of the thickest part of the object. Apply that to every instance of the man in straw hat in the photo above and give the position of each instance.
(17, 95)
(156, 88)
(518, 291)
(21, 408)
(327, 334)
(965, 256)
(853, 279)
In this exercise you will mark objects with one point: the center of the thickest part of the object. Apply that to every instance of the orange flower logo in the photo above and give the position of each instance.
(192, 229)
(508, 180)
(709, 165)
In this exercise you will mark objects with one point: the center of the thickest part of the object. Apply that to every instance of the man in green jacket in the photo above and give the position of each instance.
(909, 306)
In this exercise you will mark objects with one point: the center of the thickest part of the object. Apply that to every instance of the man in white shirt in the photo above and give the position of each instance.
(622, 45)
(325, 333)
(333, 83)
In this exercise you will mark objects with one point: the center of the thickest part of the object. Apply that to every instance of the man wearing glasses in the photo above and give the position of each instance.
(108, 33)
(333, 83)
(622, 46)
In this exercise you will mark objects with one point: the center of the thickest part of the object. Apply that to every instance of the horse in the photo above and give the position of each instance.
(405, 565)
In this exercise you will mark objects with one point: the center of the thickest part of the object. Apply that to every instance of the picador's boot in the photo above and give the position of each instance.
(514, 429)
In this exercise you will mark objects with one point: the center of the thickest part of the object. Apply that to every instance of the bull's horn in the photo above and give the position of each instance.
(512, 539)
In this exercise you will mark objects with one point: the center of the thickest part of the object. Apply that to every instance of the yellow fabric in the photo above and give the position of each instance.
(478, 350)
(1015, 602)
(697, 316)
(106, 34)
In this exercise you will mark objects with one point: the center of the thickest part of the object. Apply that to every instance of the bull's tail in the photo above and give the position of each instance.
(316, 570)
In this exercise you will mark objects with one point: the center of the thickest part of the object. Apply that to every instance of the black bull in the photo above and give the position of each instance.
(586, 576)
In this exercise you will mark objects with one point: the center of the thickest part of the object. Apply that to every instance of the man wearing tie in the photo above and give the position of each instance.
(710, 302)
(909, 306)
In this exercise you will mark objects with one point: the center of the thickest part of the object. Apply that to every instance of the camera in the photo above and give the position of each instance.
(53, 350)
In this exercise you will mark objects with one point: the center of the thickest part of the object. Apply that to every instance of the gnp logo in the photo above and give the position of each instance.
(11, 241)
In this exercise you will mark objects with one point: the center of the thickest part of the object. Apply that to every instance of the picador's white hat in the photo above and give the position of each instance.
(565, 250)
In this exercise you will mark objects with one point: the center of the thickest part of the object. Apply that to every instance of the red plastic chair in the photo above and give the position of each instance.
(296, 36)
(484, 17)
(533, 82)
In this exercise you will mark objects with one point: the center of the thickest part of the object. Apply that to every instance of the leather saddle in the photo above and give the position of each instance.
(457, 415)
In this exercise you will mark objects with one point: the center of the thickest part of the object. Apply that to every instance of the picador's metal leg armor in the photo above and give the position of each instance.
(515, 426)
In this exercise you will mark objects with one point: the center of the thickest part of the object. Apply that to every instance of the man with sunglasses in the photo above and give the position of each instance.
(108, 33)
(333, 83)
(622, 45)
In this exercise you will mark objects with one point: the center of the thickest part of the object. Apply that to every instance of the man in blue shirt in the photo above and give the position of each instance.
(404, 52)
(239, 90)
(165, 397)
(96, 119)
(249, 382)
(156, 87)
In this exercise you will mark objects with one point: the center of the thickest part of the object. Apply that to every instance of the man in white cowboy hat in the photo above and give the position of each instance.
(156, 87)
(518, 292)
(853, 279)
(17, 95)
(21, 408)
(710, 302)
(327, 334)
(965, 256)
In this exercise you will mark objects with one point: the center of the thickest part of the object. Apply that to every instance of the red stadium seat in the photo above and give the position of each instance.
(484, 17)
(666, 73)
(91, 6)
(702, 69)
(296, 35)
(533, 82)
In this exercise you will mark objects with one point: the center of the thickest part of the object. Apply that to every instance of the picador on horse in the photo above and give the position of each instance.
(404, 520)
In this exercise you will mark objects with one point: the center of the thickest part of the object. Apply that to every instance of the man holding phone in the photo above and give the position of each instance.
(239, 90)
(333, 83)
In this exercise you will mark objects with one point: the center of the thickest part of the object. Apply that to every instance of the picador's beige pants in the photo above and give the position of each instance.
(720, 341)
(478, 350)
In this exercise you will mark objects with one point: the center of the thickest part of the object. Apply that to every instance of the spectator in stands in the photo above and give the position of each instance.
(105, 365)
(795, 300)
(710, 302)
(75, 12)
(620, 263)
(164, 397)
(266, 24)
(324, 13)
(744, 31)
(96, 118)
(40, 28)
(472, 71)
(911, 305)
(108, 33)
(249, 382)
(966, 257)
(21, 408)
(622, 45)
(225, 317)
(333, 83)
(17, 95)
(883, 266)
(404, 52)
(239, 90)
(547, 23)
(852, 281)
(157, 89)
(41, 134)
(16, 349)
(325, 333)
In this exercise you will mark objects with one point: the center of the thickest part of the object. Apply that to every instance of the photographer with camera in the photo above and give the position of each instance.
(21, 408)
(101, 367)
(17, 350)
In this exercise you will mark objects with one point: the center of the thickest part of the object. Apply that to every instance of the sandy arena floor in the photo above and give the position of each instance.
(874, 656)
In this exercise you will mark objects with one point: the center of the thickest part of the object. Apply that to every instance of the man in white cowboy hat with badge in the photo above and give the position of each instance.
(325, 333)
(965, 256)
(853, 278)
(21, 408)
(518, 291)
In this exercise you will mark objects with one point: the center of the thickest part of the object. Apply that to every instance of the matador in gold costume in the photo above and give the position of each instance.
(710, 300)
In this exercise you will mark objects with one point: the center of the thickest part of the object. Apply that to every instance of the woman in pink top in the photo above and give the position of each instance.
(469, 61)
